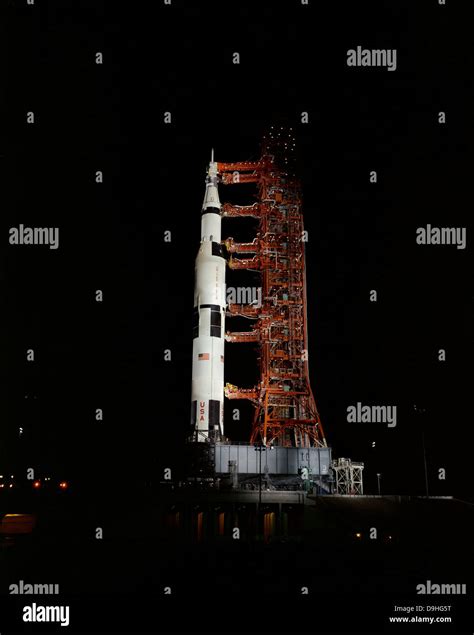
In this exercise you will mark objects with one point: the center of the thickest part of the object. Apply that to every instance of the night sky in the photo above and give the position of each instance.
(362, 236)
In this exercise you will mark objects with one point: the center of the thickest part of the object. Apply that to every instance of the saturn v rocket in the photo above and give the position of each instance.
(207, 391)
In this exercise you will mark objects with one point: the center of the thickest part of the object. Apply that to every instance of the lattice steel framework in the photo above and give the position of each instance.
(347, 477)
(285, 408)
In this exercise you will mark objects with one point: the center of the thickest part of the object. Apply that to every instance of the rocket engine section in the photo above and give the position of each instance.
(207, 390)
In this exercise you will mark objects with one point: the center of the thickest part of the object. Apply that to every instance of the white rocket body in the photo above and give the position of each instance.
(207, 391)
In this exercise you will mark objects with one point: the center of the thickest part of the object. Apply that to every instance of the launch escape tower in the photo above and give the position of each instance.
(285, 408)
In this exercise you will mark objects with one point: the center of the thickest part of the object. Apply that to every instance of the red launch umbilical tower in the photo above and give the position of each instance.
(285, 408)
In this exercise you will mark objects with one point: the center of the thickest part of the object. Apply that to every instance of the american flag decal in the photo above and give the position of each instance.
(203, 356)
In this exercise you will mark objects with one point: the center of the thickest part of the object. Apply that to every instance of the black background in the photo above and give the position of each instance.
(110, 117)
